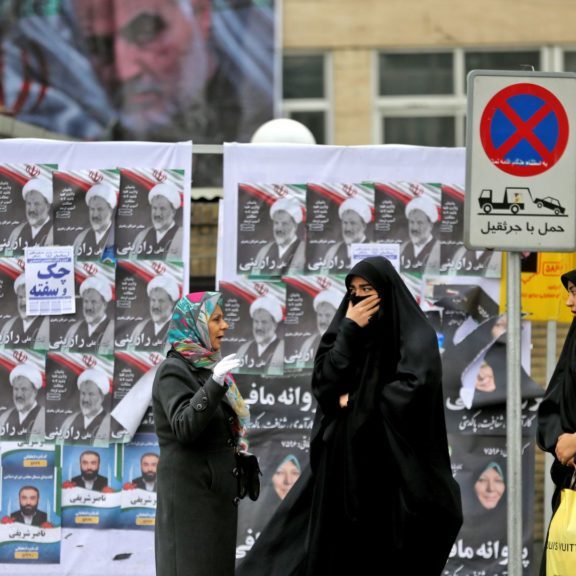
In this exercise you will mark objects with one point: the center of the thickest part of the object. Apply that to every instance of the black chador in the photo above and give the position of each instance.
(379, 490)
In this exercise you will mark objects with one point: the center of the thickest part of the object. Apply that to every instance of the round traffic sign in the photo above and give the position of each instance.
(524, 129)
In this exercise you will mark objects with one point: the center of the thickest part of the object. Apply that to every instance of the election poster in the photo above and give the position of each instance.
(91, 487)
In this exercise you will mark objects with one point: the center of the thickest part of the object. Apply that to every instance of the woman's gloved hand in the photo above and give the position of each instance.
(226, 365)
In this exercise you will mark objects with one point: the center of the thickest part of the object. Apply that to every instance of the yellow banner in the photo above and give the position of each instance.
(543, 296)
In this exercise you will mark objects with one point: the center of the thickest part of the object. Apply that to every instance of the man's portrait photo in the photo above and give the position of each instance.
(148, 467)
(95, 332)
(355, 215)
(22, 331)
(163, 292)
(180, 69)
(421, 253)
(38, 228)
(265, 352)
(325, 304)
(29, 499)
(163, 239)
(91, 423)
(27, 417)
(89, 476)
(101, 200)
(286, 254)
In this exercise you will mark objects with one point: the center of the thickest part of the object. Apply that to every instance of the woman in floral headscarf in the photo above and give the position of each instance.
(200, 421)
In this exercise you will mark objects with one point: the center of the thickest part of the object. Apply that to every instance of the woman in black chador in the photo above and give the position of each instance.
(557, 412)
(380, 490)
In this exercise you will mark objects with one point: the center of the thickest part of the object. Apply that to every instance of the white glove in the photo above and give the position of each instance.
(226, 365)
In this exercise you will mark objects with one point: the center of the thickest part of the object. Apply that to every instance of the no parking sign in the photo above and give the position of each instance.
(521, 161)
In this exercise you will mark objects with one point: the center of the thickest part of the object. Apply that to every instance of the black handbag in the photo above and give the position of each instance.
(248, 474)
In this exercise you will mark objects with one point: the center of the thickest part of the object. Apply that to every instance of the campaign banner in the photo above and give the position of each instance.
(84, 209)
(25, 207)
(78, 398)
(255, 313)
(91, 487)
(456, 259)
(146, 293)
(281, 415)
(311, 302)
(30, 530)
(22, 395)
(479, 467)
(140, 465)
(26, 457)
(271, 229)
(338, 215)
(18, 329)
(149, 217)
(91, 328)
(408, 213)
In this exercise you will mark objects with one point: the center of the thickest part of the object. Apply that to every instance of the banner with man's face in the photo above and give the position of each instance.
(151, 70)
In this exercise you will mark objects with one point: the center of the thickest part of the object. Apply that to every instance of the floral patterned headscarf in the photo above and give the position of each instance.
(189, 335)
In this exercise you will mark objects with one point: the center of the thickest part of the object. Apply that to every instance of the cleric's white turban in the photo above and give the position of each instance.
(41, 185)
(98, 283)
(96, 376)
(289, 205)
(329, 296)
(104, 191)
(424, 204)
(271, 305)
(358, 205)
(168, 191)
(20, 281)
(28, 371)
(167, 283)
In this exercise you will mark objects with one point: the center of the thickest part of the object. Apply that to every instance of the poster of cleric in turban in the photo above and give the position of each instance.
(84, 207)
(271, 222)
(479, 465)
(22, 395)
(18, 330)
(408, 213)
(456, 259)
(78, 397)
(146, 292)
(255, 313)
(149, 217)
(311, 302)
(25, 207)
(337, 215)
(91, 327)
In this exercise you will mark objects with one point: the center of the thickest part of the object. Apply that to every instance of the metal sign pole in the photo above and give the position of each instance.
(514, 416)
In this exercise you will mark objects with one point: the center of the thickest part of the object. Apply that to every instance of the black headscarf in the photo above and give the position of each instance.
(557, 412)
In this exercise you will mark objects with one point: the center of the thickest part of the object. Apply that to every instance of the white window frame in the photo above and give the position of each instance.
(314, 104)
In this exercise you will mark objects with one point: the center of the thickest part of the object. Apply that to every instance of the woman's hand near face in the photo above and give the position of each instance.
(566, 449)
(343, 400)
(364, 310)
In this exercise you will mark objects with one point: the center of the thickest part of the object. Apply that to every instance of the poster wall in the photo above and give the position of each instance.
(75, 468)
(294, 217)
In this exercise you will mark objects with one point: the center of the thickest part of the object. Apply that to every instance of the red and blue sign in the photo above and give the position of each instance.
(524, 129)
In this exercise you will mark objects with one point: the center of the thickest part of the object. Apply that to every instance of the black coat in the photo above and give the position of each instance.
(196, 514)
(557, 412)
(380, 489)
(37, 520)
